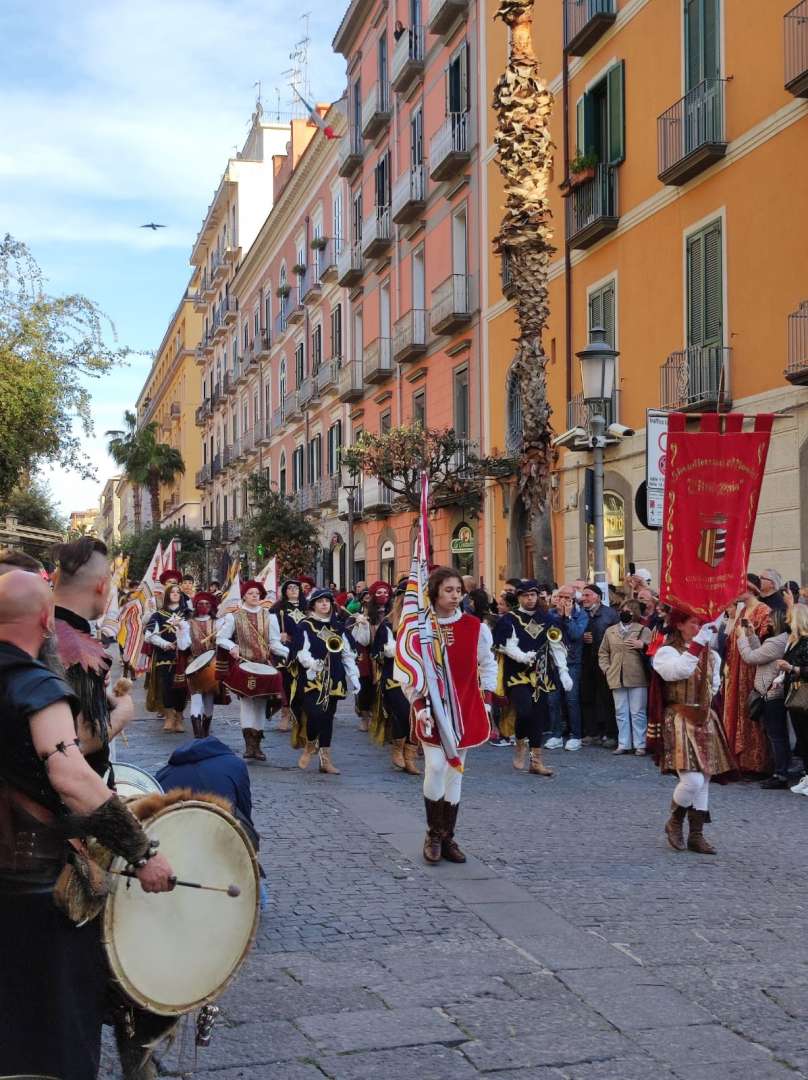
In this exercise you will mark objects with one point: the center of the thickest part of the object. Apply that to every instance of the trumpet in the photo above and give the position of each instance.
(554, 635)
(333, 642)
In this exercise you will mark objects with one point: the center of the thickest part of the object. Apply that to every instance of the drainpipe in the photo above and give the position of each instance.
(567, 264)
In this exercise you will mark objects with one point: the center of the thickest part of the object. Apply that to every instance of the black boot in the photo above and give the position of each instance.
(448, 848)
(434, 830)
(206, 722)
(196, 724)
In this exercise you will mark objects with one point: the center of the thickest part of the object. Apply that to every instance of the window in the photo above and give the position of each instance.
(234, 352)
(384, 311)
(385, 422)
(602, 311)
(600, 118)
(282, 381)
(267, 312)
(705, 294)
(245, 417)
(224, 508)
(267, 400)
(336, 332)
(461, 403)
(334, 447)
(459, 242)
(419, 408)
(383, 64)
(256, 322)
(316, 254)
(702, 59)
(356, 102)
(315, 459)
(336, 211)
(246, 336)
(356, 217)
(514, 429)
(282, 473)
(300, 365)
(381, 176)
(418, 280)
(457, 82)
(316, 349)
(297, 468)
(614, 529)
(416, 137)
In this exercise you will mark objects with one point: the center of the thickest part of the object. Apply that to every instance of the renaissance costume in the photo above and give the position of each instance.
(86, 664)
(289, 612)
(166, 681)
(197, 638)
(391, 722)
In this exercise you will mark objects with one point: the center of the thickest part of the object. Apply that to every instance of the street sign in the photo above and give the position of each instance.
(656, 438)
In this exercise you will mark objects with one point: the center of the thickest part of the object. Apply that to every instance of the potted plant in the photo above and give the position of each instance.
(582, 168)
(299, 269)
(319, 243)
(283, 291)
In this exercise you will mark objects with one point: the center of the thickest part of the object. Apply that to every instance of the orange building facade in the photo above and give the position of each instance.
(681, 130)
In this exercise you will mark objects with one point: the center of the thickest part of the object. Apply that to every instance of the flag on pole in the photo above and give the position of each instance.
(316, 119)
(150, 583)
(231, 596)
(269, 578)
(421, 662)
(170, 557)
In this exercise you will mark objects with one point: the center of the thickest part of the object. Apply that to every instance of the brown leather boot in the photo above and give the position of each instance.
(285, 721)
(695, 833)
(364, 722)
(537, 766)
(326, 764)
(249, 742)
(673, 827)
(410, 759)
(205, 726)
(434, 830)
(258, 753)
(397, 754)
(448, 848)
(520, 754)
(179, 727)
(309, 750)
(168, 720)
(196, 726)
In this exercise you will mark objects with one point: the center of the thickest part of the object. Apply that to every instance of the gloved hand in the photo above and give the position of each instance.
(705, 635)
(530, 657)
(356, 686)
(566, 681)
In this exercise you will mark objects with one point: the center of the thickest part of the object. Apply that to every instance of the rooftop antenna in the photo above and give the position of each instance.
(259, 105)
(278, 103)
(298, 73)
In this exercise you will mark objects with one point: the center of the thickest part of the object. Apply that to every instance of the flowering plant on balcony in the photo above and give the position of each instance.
(282, 530)
(319, 243)
(283, 291)
(299, 269)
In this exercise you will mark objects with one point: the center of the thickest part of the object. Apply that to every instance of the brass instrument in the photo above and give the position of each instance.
(554, 635)
(333, 642)
(540, 664)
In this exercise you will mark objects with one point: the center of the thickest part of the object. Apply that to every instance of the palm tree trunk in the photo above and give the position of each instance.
(137, 509)
(523, 105)
(154, 495)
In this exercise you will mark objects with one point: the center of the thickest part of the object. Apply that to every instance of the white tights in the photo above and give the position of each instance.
(441, 781)
(253, 712)
(693, 790)
(202, 704)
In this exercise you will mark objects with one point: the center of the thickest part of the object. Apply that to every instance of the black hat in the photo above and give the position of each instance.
(595, 588)
(320, 594)
(527, 585)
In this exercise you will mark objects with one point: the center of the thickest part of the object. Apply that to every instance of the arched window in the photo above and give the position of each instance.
(282, 382)
(282, 473)
(514, 432)
(614, 533)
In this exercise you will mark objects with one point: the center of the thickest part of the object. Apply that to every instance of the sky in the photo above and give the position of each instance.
(114, 113)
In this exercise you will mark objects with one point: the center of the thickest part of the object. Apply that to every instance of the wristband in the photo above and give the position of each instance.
(138, 864)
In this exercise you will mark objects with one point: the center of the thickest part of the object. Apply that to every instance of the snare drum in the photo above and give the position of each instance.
(130, 780)
(201, 673)
(250, 679)
(171, 953)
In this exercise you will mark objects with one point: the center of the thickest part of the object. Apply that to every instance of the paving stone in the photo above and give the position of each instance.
(253, 1001)
(446, 991)
(408, 1063)
(633, 1005)
(255, 1043)
(279, 1070)
(563, 1047)
(378, 1029)
(624, 1068)
(763, 1070)
(702, 1045)
(479, 1021)
(312, 972)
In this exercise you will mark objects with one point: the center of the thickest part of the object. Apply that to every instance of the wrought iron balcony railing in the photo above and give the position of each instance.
(691, 134)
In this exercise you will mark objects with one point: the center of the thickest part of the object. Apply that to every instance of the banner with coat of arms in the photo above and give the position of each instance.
(712, 488)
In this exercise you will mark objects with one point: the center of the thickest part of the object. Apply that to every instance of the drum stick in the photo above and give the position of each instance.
(230, 890)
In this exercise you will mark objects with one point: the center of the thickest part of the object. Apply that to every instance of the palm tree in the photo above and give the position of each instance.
(523, 104)
(145, 462)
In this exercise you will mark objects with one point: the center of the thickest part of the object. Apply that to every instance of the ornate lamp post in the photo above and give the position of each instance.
(207, 536)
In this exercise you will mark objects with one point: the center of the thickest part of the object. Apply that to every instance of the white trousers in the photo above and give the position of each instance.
(441, 781)
(202, 704)
(631, 713)
(693, 790)
(253, 712)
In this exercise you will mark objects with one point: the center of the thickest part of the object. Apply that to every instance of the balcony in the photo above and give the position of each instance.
(250, 439)
(349, 266)
(578, 411)
(249, 360)
(329, 257)
(592, 208)
(232, 252)
(263, 431)
(219, 268)
(409, 195)
(291, 406)
(281, 322)
(202, 414)
(328, 376)
(228, 384)
(231, 530)
(377, 360)
(376, 233)
(376, 110)
(377, 500)
(451, 304)
(350, 386)
(309, 497)
(795, 25)
(408, 60)
(216, 465)
(450, 147)
(296, 311)
(219, 329)
(585, 22)
(307, 392)
(201, 355)
(350, 150)
(444, 13)
(208, 288)
(278, 420)
(696, 378)
(310, 287)
(797, 370)
(409, 336)
(691, 134)
(229, 455)
(203, 476)
(262, 345)
(215, 395)
(329, 491)
(239, 370)
(229, 310)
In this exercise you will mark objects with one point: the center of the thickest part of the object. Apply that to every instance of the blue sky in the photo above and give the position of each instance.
(114, 113)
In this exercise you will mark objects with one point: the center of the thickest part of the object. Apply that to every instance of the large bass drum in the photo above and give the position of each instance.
(171, 953)
(131, 781)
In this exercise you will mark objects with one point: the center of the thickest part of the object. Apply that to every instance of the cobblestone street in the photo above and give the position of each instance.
(573, 943)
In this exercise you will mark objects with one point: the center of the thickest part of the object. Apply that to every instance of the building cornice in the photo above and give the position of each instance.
(352, 20)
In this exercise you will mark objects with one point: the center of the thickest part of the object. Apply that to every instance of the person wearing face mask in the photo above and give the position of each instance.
(327, 658)
(599, 719)
(197, 636)
(622, 661)
(251, 638)
(533, 664)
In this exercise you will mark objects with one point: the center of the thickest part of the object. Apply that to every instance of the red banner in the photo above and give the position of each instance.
(712, 487)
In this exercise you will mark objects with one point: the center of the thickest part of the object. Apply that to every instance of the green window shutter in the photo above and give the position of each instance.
(607, 303)
(713, 286)
(580, 146)
(692, 17)
(617, 113)
(695, 289)
(595, 310)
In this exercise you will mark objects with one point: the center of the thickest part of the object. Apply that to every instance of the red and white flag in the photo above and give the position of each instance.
(316, 119)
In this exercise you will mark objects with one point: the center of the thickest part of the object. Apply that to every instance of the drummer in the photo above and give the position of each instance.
(289, 610)
(198, 639)
(326, 653)
(252, 635)
(164, 695)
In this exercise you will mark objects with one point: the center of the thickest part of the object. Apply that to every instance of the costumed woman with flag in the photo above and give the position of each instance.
(391, 717)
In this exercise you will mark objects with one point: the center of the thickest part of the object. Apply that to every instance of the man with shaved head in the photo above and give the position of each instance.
(54, 975)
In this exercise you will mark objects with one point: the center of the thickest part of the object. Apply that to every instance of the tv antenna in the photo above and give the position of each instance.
(298, 74)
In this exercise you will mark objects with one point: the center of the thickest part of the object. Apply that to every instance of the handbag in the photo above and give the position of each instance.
(797, 696)
(754, 705)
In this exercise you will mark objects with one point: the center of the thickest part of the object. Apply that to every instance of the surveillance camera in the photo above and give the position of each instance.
(619, 431)
(570, 438)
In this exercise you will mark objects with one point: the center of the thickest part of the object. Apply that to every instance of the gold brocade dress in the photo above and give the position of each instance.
(693, 735)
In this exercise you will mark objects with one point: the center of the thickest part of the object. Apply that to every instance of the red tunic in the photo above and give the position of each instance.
(462, 639)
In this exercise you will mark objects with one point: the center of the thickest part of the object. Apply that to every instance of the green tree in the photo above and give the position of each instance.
(283, 531)
(145, 462)
(50, 347)
(33, 506)
(140, 548)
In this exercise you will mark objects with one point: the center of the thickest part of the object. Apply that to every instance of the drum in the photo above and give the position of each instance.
(201, 673)
(130, 780)
(250, 679)
(171, 953)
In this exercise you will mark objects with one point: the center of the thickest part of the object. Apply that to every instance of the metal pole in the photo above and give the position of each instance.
(350, 568)
(207, 566)
(598, 428)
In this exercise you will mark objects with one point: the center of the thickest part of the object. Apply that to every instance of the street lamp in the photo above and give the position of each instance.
(598, 362)
(350, 490)
(207, 536)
